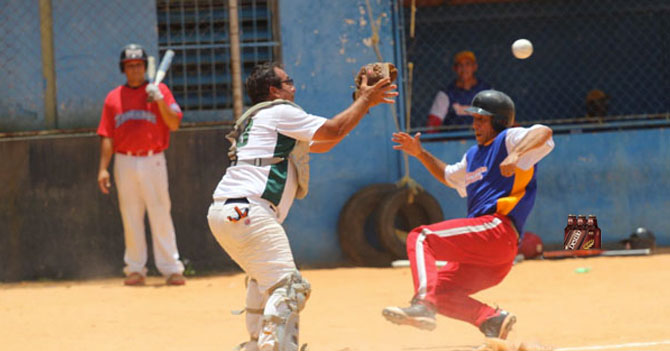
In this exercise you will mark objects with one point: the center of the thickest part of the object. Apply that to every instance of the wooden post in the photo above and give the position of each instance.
(235, 58)
(48, 66)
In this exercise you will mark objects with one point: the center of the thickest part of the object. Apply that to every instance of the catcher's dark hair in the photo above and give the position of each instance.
(260, 80)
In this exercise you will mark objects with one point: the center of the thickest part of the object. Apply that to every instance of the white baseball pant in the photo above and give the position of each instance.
(259, 245)
(142, 184)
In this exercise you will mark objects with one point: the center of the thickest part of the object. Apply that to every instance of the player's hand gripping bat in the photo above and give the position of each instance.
(152, 87)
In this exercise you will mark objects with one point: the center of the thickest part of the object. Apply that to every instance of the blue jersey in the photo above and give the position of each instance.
(489, 192)
(463, 98)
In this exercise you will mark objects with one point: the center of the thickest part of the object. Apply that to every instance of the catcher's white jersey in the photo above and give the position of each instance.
(272, 132)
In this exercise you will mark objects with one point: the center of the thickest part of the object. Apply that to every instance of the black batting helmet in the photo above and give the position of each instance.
(132, 52)
(641, 238)
(495, 104)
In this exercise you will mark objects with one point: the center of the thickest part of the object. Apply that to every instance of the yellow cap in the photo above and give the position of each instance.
(465, 55)
(596, 94)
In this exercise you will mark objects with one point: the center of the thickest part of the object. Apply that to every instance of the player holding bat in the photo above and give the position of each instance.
(135, 126)
(498, 177)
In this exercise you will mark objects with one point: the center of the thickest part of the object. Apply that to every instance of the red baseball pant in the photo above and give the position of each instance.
(479, 253)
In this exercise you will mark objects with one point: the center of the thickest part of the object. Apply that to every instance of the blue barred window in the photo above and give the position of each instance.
(198, 31)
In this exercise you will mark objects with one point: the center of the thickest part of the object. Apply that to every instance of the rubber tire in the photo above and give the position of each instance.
(395, 217)
(351, 228)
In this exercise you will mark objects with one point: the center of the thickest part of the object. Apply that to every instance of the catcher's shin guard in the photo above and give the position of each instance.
(285, 332)
(281, 319)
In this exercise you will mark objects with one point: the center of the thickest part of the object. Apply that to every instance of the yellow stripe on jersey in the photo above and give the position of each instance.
(521, 179)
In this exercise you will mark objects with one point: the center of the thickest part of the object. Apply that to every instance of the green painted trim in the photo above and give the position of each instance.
(274, 188)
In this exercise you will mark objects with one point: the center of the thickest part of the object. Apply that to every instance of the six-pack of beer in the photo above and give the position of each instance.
(581, 233)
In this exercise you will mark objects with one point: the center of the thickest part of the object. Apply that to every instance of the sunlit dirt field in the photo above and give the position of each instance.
(618, 301)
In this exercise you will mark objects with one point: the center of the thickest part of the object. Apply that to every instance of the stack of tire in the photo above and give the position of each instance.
(374, 223)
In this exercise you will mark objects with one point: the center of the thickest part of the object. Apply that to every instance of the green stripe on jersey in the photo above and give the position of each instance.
(274, 188)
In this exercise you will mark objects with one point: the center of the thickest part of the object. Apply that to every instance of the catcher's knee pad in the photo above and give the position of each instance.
(299, 290)
(281, 319)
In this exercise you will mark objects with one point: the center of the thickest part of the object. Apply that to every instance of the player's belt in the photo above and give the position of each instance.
(236, 200)
(244, 200)
(141, 153)
(258, 162)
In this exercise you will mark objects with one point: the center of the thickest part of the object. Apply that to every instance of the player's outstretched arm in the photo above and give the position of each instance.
(412, 146)
(537, 137)
(336, 128)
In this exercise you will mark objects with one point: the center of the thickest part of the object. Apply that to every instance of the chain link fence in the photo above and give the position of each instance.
(60, 58)
(21, 101)
(613, 53)
(615, 50)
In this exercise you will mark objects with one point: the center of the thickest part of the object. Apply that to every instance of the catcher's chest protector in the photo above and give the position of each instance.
(299, 156)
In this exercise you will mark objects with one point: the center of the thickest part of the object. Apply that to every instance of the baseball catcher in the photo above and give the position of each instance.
(269, 168)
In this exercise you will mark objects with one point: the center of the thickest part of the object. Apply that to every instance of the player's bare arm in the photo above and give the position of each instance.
(336, 128)
(318, 147)
(412, 146)
(535, 138)
(106, 151)
(169, 116)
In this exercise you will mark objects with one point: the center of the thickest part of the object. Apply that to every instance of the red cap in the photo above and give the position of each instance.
(531, 245)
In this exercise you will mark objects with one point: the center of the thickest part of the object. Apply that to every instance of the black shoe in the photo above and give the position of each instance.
(417, 315)
(499, 325)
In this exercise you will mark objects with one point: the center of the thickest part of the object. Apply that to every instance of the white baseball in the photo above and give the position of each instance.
(522, 49)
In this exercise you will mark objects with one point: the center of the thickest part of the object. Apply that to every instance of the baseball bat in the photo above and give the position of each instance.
(163, 66)
(558, 254)
(151, 68)
(405, 263)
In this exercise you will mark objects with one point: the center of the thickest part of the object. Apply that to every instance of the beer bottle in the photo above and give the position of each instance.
(589, 240)
(572, 219)
(576, 237)
(597, 240)
(581, 222)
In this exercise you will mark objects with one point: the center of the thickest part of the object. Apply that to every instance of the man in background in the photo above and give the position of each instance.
(135, 126)
(450, 103)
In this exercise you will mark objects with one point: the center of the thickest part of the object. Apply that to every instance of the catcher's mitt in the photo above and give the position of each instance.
(375, 72)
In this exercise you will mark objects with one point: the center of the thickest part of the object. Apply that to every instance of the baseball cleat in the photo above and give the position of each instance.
(175, 279)
(416, 315)
(499, 325)
(134, 279)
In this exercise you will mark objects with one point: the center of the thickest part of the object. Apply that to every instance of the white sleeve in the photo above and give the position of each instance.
(440, 105)
(455, 176)
(296, 123)
(514, 137)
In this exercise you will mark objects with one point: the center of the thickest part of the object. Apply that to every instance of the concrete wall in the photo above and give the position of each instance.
(55, 222)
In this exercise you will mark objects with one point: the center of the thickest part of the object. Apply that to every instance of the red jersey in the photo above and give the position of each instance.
(133, 123)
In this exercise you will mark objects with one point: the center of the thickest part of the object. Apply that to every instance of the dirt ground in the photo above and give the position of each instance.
(618, 301)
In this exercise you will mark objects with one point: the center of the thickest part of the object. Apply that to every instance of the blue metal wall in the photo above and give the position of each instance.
(323, 51)
(87, 52)
(87, 40)
(22, 97)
